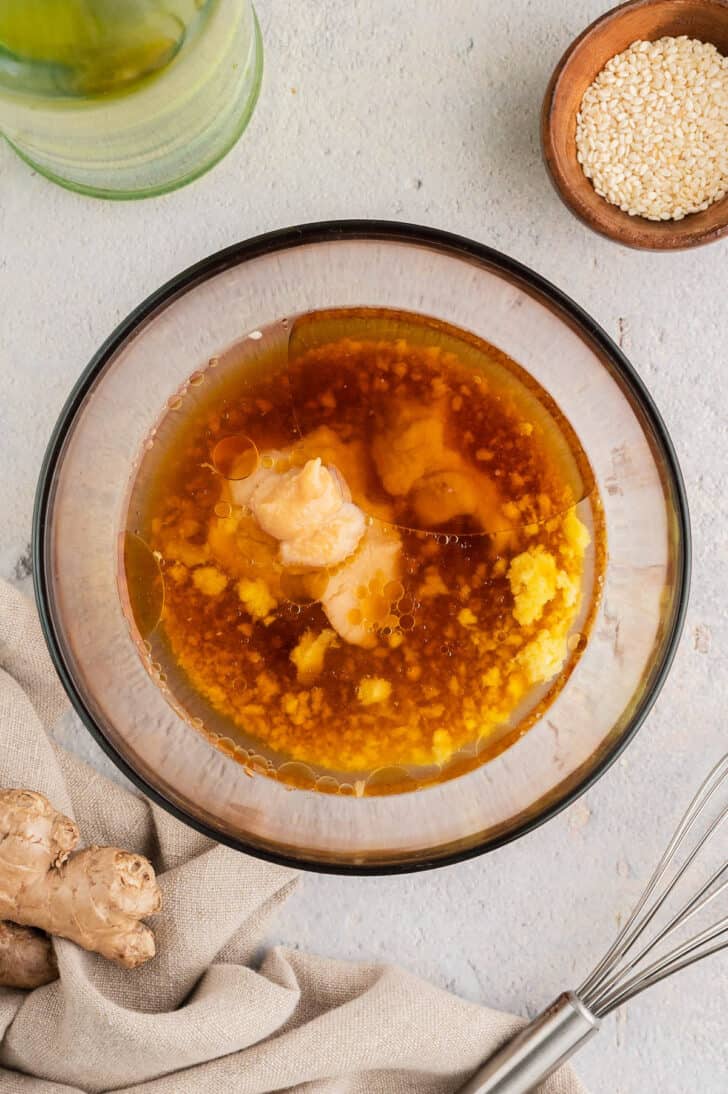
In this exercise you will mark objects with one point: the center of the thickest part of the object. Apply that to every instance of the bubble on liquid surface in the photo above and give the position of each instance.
(235, 457)
(327, 784)
(385, 778)
(297, 774)
(394, 591)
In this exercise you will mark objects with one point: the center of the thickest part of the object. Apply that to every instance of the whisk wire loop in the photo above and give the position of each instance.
(678, 958)
(554, 1035)
(606, 987)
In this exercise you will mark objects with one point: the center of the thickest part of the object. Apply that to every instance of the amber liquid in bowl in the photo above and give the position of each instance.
(458, 617)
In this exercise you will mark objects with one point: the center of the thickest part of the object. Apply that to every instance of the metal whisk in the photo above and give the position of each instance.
(647, 949)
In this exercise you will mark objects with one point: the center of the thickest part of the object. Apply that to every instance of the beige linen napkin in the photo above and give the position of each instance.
(199, 1018)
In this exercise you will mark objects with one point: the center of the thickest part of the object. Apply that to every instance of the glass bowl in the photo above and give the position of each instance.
(81, 510)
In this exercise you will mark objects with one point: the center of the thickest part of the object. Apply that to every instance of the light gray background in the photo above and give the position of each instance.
(428, 112)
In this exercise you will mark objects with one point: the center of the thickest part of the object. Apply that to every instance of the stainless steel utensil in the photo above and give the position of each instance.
(685, 883)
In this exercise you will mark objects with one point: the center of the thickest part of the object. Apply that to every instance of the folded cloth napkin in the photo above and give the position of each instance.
(199, 1018)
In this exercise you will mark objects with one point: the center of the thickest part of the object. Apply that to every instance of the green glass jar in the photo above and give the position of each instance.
(127, 100)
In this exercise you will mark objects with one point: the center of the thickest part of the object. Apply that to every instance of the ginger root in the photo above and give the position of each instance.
(95, 897)
(26, 957)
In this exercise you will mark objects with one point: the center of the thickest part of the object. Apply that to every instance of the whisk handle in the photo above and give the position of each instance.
(539, 1049)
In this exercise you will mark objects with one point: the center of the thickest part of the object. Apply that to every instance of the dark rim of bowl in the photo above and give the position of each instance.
(459, 246)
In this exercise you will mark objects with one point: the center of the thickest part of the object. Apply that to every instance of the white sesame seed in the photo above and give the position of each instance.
(652, 131)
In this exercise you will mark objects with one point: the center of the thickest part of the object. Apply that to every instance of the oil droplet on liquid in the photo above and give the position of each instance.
(235, 457)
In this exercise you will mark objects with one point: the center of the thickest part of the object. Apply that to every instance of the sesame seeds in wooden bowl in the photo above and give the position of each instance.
(640, 99)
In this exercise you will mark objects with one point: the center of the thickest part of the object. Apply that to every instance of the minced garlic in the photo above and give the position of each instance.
(373, 689)
(533, 578)
(308, 655)
(209, 580)
(256, 597)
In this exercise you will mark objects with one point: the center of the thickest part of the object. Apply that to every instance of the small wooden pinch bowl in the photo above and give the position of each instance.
(613, 32)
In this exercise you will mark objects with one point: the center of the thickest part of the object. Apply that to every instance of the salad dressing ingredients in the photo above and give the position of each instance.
(374, 553)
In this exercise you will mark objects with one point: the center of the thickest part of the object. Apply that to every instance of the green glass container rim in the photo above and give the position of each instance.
(163, 188)
(459, 247)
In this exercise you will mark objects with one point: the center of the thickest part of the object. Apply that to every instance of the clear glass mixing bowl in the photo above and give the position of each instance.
(80, 515)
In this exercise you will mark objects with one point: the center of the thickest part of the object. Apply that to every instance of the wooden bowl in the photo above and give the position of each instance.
(612, 33)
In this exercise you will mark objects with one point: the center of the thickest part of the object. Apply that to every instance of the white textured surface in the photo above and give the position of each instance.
(429, 113)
